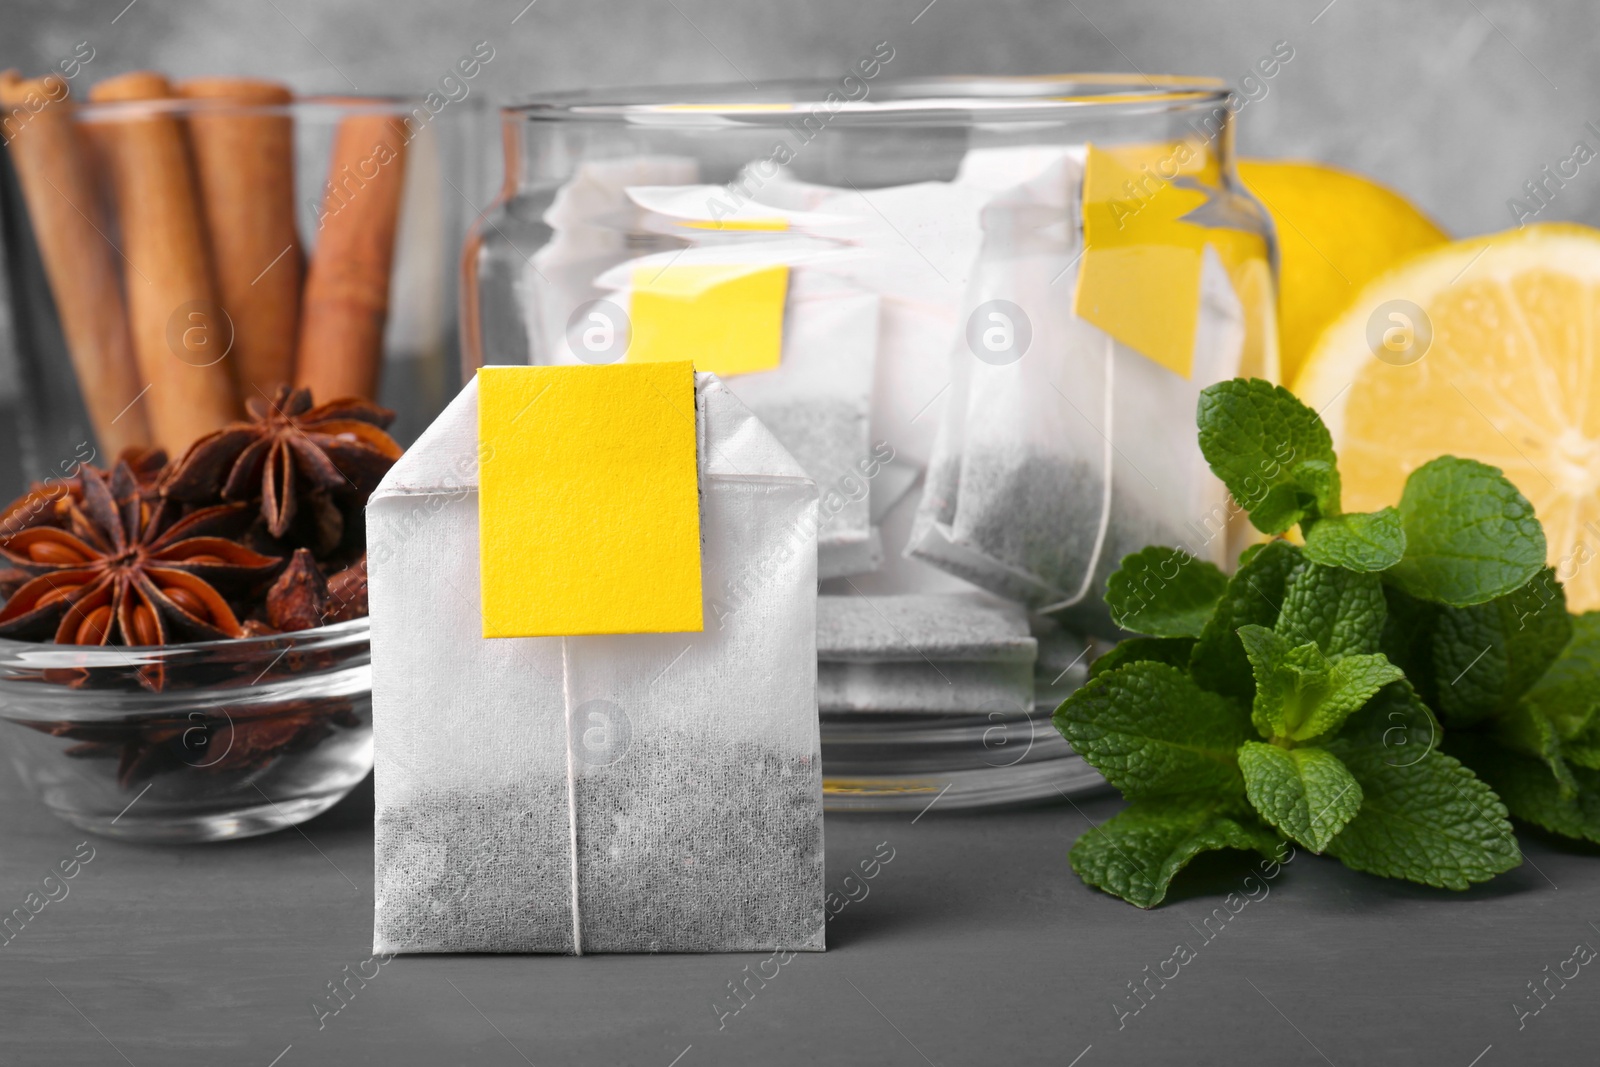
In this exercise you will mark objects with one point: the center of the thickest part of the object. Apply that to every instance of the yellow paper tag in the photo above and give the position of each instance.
(758, 225)
(1149, 211)
(1139, 280)
(588, 500)
(725, 318)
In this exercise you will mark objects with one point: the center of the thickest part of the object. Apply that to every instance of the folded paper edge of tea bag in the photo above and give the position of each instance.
(445, 457)
(921, 687)
(918, 626)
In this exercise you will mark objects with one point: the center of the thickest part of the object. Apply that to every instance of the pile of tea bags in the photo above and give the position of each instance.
(959, 483)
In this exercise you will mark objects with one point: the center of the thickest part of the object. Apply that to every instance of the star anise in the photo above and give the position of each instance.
(45, 503)
(122, 573)
(294, 457)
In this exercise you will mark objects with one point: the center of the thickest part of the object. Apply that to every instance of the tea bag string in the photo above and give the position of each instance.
(1105, 493)
(572, 794)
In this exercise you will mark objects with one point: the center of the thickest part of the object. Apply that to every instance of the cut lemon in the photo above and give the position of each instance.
(1486, 349)
(1336, 232)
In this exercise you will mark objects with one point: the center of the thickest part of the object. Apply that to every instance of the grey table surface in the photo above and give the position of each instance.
(974, 944)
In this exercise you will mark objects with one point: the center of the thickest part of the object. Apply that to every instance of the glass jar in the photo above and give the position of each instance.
(978, 311)
(193, 742)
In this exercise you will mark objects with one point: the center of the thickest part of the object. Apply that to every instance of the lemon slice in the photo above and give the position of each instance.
(1486, 349)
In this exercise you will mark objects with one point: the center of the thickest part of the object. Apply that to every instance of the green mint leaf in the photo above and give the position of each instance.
(1532, 793)
(1253, 596)
(1318, 480)
(1301, 693)
(1431, 821)
(1135, 854)
(1341, 612)
(1290, 679)
(1569, 690)
(1170, 650)
(1408, 637)
(1270, 450)
(1556, 722)
(1582, 751)
(1488, 655)
(1164, 592)
(1524, 730)
(1373, 541)
(1352, 682)
(1470, 535)
(1397, 721)
(1305, 792)
(1153, 732)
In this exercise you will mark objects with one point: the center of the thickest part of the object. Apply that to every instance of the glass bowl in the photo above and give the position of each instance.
(193, 742)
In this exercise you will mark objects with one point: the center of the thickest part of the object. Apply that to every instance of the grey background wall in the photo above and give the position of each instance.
(1456, 103)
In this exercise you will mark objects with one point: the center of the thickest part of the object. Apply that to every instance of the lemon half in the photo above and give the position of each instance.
(1336, 232)
(1483, 348)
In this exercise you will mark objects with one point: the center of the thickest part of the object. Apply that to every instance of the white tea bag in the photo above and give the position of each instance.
(916, 246)
(606, 793)
(1062, 450)
(817, 401)
(593, 226)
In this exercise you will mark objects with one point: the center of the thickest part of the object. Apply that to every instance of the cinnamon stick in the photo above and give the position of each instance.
(347, 286)
(244, 160)
(180, 338)
(57, 174)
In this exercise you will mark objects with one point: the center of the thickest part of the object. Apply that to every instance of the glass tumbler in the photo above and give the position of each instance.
(977, 311)
(181, 250)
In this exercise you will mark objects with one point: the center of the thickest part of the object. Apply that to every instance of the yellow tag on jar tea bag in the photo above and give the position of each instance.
(1149, 210)
(727, 318)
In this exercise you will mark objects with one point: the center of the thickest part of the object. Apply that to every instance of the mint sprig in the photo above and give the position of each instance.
(1302, 697)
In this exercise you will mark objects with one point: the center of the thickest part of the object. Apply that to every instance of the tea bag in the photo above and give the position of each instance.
(923, 653)
(917, 246)
(616, 792)
(817, 400)
(1062, 450)
(917, 242)
(593, 226)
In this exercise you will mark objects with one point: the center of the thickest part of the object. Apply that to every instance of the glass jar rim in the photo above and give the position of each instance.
(856, 99)
(333, 105)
